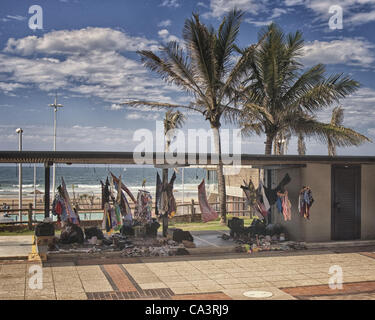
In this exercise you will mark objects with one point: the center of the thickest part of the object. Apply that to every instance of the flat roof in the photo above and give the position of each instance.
(99, 157)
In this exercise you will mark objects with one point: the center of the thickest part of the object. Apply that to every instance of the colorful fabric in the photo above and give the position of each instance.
(123, 187)
(208, 213)
(71, 215)
(167, 201)
(107, 218)
(305, 202)
(158, 194)
(143, 208)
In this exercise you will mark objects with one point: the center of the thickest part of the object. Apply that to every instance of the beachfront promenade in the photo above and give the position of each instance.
(302, 275)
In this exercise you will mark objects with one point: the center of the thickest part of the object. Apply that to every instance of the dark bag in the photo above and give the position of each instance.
(93, 232)
(180, 235)
(127, 230)
(152, 228)
(44, 229)
(72, 234)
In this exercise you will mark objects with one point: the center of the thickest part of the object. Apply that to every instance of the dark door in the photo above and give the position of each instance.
(346, 203)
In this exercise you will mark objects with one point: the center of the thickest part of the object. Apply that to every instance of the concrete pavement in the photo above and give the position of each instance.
(302, 276)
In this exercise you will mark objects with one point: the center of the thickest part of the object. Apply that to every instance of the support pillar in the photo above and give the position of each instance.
(47, 175)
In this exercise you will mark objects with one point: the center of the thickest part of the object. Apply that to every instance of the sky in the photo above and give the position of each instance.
(86, 52)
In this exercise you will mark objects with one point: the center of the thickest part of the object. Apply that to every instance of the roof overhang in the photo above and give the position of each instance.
(157, 159)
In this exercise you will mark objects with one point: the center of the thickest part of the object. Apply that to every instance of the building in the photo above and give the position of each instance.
(343, 187)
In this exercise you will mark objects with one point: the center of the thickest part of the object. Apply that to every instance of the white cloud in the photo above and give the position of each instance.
(88, 62)
(352, 15)
(167, 37)
(142, 115)
(170, 3)
(78, 42)
(10, 86)
(348, 51)
(165, 23)
(12, 18)
(219, 8)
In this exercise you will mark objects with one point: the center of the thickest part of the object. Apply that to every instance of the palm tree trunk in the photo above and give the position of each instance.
(220, 176)
(269, 143)
(301, 145)
(331, 148)
(165, 214)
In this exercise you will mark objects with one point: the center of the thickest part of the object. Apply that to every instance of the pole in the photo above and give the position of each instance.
(183, 191)
(20, 176)
(34, 204)
(54, 149)
(46, 189)
(55, 106)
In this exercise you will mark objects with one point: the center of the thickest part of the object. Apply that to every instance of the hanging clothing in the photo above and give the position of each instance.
(158, 193)
(305, 202)
(167, 201)
(107, 218)
(251, 198)
(250, 192)
(122, 203)
(123, 187)
(271, 194)
(143, 208)
(265, 200)
(208, 213)
(284, 206)
(72, 215)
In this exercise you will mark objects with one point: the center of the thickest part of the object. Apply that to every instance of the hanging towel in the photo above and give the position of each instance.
(116, 180)
(287, 207)
(208, 213)
(72, 215)
(272, 193)
(265, 199)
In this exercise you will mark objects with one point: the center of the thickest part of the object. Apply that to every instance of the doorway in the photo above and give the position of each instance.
(346, 202)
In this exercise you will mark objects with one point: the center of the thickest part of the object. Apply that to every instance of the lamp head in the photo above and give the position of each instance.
(19, 130)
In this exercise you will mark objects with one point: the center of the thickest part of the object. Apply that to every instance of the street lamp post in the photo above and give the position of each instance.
(55, 105)
(19, 131)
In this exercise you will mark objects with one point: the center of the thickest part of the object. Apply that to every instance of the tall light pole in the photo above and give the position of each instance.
(19, 131)
(55, 105)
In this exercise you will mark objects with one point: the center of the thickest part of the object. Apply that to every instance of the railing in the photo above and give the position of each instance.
(192, 208)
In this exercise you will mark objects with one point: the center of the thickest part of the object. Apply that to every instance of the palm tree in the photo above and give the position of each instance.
(290, 96)
(204, 69)
(172, 120)
(334, 134)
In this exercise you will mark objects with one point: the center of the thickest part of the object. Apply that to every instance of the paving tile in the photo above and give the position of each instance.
(228, 281)
(179, 284)
(154, 285)
(71, 296)
(41, 297)
(97, 286)
(184, 290)
(209, 296)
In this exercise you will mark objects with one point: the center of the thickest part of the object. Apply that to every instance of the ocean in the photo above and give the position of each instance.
(86, 179)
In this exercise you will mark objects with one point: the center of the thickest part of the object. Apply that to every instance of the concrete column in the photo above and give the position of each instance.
(46, 189)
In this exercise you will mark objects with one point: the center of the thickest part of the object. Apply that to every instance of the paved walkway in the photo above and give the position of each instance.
(302, 276)
(15, 246)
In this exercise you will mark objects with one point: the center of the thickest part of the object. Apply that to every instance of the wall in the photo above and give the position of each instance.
(295, 227)
(318, 178)
(368, 202)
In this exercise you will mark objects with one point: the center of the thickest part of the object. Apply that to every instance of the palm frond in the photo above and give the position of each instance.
(161, 105)
(337, 116)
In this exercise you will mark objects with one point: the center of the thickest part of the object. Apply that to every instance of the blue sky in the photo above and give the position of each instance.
(87, 53)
